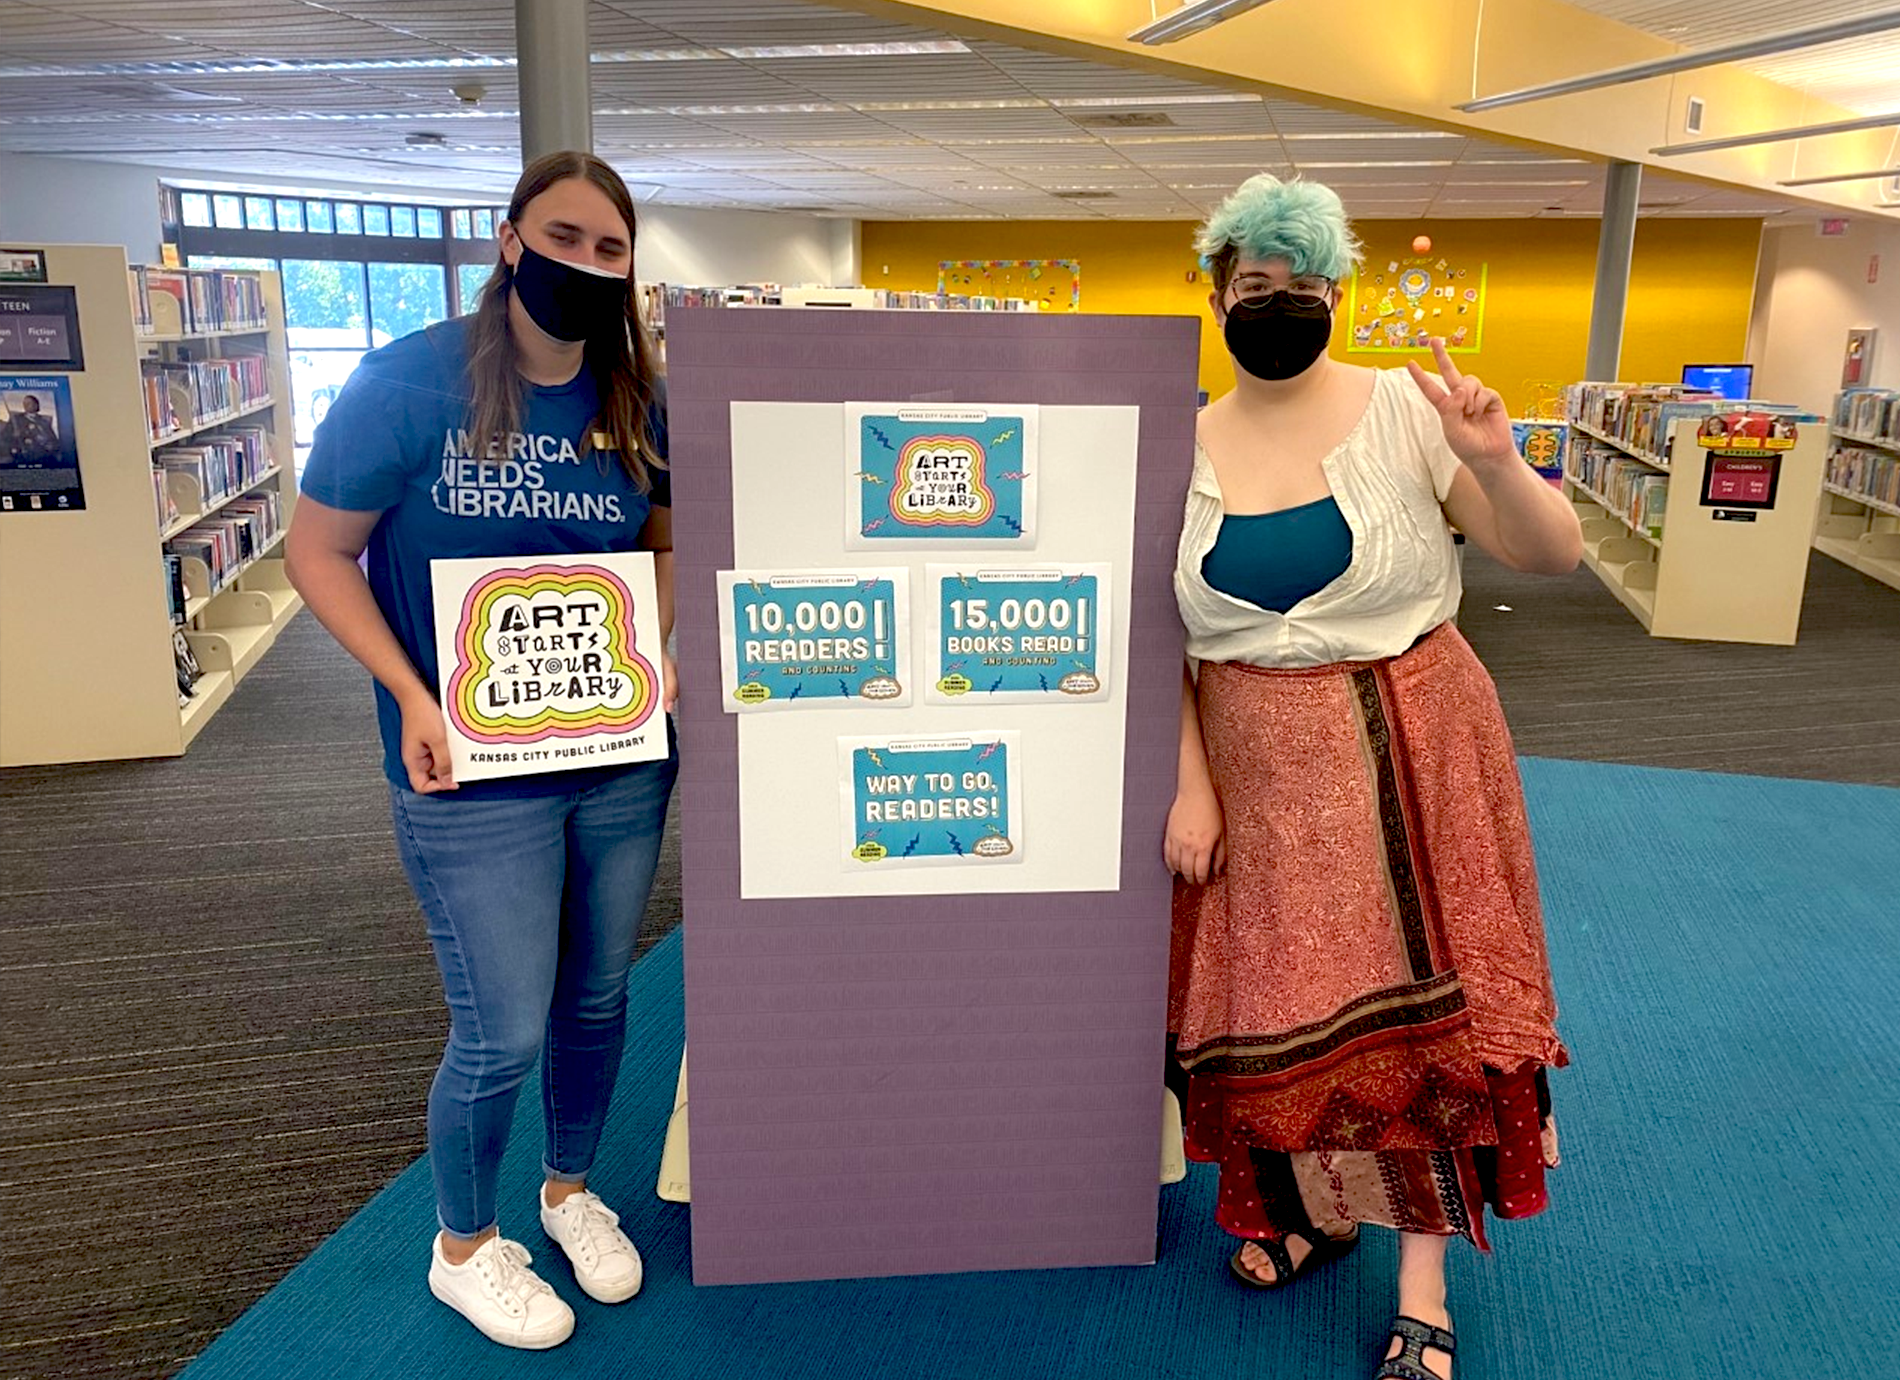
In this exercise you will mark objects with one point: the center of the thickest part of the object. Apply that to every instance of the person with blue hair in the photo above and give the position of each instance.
(1360, 1003)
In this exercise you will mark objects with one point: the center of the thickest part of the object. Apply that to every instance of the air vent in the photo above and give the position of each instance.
(1083, 196)
(1692, 121)
(1126, 119)
(426, 140)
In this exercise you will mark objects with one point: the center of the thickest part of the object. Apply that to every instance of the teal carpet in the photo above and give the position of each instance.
(1727, 952)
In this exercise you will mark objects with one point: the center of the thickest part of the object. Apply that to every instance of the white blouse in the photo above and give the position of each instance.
(1389, 477)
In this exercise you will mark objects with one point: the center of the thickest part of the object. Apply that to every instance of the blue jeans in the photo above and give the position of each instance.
(533, 905)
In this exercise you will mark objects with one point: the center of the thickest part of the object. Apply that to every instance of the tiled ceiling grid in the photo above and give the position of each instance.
(1859, 74)
(749, 104)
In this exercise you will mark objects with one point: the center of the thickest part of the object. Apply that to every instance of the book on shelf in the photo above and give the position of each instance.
(205, 300)
(1629, 488)
(1873, 413)
(185, 663)
(176, 596)
(1642, 417)
(226, 540)
(1872, 474)
(181, 395)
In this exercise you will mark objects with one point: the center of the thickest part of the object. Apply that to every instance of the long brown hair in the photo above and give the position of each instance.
(626, 368)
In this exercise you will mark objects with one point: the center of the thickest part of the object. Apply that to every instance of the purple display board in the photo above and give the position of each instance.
(918, 1084)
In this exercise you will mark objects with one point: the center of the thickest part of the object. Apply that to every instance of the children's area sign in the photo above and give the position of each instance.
(1742, 468)
(791, 639)
(964, 475)
(948, 802)
(549, 663)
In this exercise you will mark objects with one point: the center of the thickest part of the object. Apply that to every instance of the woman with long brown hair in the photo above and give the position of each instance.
(535, 426)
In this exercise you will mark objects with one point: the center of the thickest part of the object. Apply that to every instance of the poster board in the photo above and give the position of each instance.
(871, 1058)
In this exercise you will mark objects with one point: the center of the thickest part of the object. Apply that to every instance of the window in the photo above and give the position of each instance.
(402, 221)
(349, 218)
(325, 304)
(319, 217)
(257, 213)
(405, 298)
(197, 209)
(429, 222)
(484, 225)
(227, 211)
(469, 279)
(458, 223)
(375, 220)
(289, 214)
(229, 261)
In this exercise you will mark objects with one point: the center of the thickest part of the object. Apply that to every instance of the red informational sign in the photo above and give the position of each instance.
(1735, 481)
(1873, 268)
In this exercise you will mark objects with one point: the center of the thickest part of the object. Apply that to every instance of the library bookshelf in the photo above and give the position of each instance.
(1859, 523)
(1685, 567)
(182, 424)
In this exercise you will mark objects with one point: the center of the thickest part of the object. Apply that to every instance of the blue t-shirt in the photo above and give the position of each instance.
(396, 442)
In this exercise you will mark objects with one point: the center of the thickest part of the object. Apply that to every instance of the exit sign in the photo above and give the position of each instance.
(1833, 227)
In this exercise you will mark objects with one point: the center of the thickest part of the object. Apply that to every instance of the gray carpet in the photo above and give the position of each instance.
(221, 1016)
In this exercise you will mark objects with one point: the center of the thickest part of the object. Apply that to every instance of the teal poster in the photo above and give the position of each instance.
(1033, 634)
(940, 474)
(939, 802)
(814, 640)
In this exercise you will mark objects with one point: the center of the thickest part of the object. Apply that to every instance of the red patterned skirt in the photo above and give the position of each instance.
(1362, 1001)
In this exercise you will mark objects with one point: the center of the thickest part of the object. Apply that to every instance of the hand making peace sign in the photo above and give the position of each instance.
(1476, 427)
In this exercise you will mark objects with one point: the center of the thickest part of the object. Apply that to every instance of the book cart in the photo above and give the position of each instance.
(173, 569)
(1860, 505)
(1698, 541)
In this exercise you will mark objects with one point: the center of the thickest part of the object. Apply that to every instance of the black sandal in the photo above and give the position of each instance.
(1324, 1248)
(1416, 1336)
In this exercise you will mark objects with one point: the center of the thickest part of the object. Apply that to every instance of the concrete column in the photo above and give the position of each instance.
(557, 105)
(1618, 242)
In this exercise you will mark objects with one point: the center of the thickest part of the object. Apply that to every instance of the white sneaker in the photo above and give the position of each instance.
(605, 1263)
(505, 1300)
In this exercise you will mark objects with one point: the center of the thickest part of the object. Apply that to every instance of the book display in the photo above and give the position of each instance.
(132, 612)
(1860, 506)
(655, 298)
(1695, 508)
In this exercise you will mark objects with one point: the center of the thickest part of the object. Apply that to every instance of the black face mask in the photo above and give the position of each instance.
(1279, 338)
(567, 301)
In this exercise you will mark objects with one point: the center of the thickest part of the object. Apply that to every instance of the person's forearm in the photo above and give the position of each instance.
(334, 587)
(1536, 525)
(1193, 773)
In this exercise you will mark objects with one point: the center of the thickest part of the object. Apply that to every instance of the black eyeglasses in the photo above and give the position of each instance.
(1258, 289)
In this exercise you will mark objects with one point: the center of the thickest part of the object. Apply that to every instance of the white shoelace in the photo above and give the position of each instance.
(599, 1227)
(505, 1271)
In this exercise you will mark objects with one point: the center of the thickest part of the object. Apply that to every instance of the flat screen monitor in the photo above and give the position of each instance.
(1731, 381)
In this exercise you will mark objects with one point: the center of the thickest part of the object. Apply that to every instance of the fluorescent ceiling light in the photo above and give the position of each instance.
(1380, 134)
(1191, 18)
(1788, 41)
(810, 50)
(1840, 177)
(1211, 98)
(1421, 163)
(1773, 136)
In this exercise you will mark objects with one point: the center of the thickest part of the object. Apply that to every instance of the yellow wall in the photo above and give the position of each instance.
(1691, 287)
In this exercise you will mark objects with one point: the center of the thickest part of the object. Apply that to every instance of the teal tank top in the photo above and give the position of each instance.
(1274, 560)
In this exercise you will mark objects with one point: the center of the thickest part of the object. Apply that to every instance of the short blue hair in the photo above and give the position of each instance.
(1265, 218)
